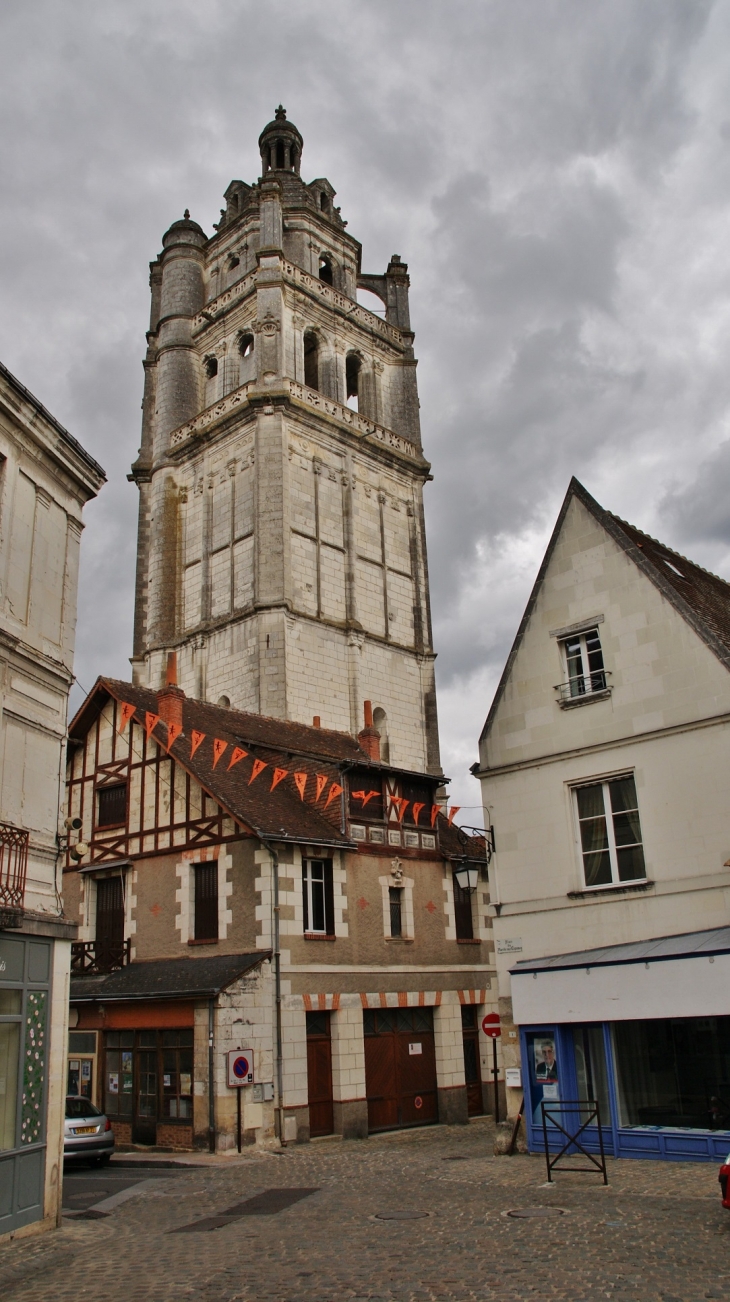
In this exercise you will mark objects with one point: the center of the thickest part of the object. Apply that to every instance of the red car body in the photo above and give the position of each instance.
(724, 1178)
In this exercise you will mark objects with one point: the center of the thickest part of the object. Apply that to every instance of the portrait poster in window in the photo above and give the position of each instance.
(544, 1072)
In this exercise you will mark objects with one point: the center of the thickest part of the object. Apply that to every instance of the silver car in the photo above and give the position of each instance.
(87, 1133)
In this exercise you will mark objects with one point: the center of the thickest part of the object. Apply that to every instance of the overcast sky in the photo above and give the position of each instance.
(556, 174)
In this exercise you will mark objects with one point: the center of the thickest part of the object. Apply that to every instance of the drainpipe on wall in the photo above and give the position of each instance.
(211, 1076)
(277, 997)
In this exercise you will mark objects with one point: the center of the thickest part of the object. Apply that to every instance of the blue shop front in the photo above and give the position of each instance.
(641, 1030)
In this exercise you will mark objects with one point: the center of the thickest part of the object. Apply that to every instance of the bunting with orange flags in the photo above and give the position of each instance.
(218, 748)
(300, 781)
(321, 784)
(173, 732)
(258, 767)
(401, 804)
(365, 796)
(417, 807)
(454, 810)
(434, 814)
(236, 757)
(126, 712)
(197, 740)
(149, 722)
(334, 791)
(277, 777)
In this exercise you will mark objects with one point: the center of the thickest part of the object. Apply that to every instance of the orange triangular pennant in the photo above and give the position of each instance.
(149, 722)
(197, 740)
(258, 767)
(335, 790)
(237, 755)
(278, 776)
(126, 711)
(218, 749)
(365, 796)
(301, 783)
(321, 784)
(417, 807)
(173, 732)
(454, 810)
(434, 814)
(402, 804)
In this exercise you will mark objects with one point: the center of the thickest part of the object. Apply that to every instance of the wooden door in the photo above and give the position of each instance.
(400, 1068)
(319, 1074)
(472, 1073)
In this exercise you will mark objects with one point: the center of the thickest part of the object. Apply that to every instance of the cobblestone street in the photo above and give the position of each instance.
(657, 1232)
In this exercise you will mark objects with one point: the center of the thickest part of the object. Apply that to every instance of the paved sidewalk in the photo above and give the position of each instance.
(656, 1234)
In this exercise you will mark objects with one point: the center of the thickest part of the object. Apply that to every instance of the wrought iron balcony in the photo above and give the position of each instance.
(584, 688)
(13, 871)
(92, 957)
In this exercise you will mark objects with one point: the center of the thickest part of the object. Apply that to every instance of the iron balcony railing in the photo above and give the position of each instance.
(89, 957)
(583, 687)
(13, 866)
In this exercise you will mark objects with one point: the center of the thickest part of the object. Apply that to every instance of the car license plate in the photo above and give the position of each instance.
(85, 1130)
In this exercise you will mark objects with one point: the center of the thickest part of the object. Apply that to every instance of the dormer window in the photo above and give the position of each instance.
(585, 673)
(324, 202)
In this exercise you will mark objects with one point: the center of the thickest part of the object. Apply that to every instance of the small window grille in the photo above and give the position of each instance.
(206, 901)
(395, 894)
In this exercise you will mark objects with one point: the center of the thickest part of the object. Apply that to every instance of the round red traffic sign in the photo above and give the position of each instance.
(418, 1101)
(241, 1067)
(491, 1027)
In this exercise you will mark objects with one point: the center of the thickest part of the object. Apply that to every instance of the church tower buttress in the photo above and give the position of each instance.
(281, 543)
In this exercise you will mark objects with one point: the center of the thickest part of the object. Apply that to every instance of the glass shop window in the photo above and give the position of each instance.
(674, 1072)
(590, 1069)
(11, 1003)
(119, 1073)
(177, 1074)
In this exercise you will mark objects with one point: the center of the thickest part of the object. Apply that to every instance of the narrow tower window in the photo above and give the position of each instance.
(324, 201)
(280, 155)
(352, 380)
(311, 360)
(325, 269)
(211, 367)
(245, 345)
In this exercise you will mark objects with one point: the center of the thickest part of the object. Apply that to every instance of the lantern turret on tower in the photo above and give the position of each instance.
(281, 548)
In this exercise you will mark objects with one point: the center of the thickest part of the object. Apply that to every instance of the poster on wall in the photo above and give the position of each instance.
(113, 1086)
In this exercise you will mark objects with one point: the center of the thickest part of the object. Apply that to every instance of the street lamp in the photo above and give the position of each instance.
(467, 877)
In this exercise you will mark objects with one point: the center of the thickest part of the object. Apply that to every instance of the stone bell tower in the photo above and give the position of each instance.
(281, 546)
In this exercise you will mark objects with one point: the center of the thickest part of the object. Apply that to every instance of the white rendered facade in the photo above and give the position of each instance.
(657, 715)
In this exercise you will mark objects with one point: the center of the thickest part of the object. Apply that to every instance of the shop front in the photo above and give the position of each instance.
(658, 1069)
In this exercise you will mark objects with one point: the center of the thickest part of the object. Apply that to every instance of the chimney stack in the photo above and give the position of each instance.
(316, 722)
(369, 738)
(170, 698)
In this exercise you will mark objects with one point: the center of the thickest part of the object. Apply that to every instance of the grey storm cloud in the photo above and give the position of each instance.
(555, 173)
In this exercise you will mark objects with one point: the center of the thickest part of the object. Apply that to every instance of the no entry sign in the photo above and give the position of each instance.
(491, 1027)
(240, 1067)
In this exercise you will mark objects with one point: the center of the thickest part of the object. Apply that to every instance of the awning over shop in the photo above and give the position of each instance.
(169, 978)
(669, 976)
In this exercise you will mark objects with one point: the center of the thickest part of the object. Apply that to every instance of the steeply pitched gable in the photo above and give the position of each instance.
(701, 598)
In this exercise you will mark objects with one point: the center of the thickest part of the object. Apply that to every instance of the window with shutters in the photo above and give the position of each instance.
(112, 805)
(318, 897)
(206, 900)
(109, 917)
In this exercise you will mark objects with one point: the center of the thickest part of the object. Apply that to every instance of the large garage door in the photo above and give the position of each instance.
(400, 1067)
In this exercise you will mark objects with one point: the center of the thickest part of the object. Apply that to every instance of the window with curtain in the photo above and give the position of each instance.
(610, 832)
(318, 897)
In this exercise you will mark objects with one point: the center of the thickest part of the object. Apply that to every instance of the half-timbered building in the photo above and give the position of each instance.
(248, 883)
